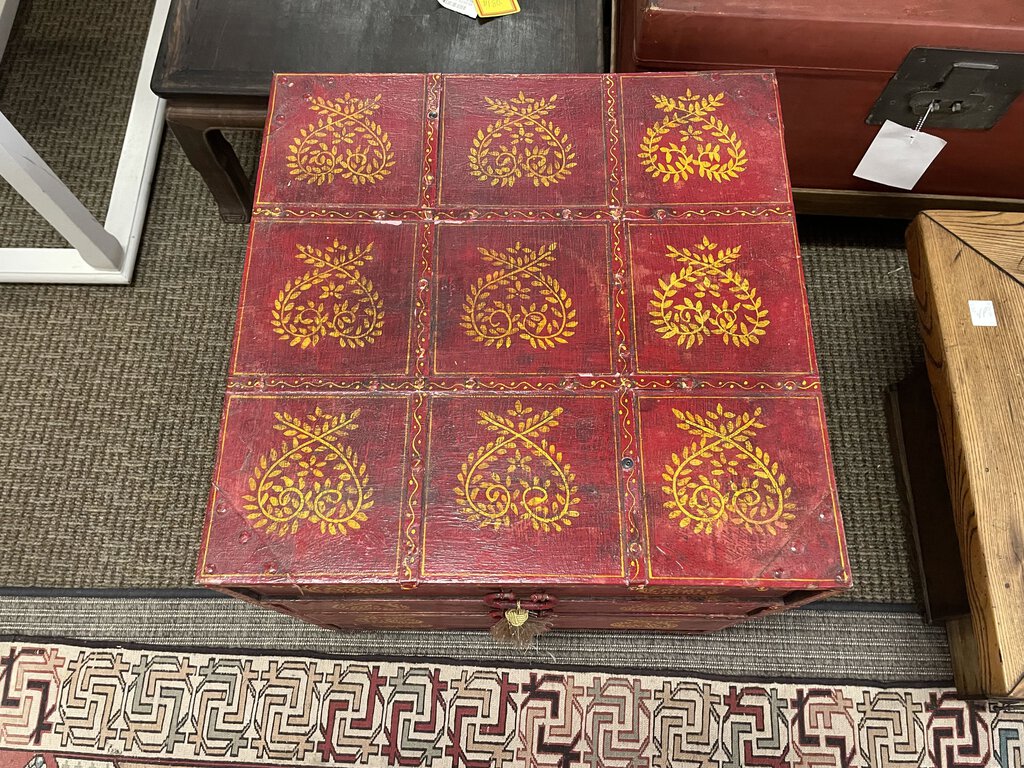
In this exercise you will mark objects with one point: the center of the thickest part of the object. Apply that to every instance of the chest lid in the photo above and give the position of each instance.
(544, 330)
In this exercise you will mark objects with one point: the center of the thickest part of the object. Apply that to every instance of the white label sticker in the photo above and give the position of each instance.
(898, 156)
(465, 7)
(982, 313)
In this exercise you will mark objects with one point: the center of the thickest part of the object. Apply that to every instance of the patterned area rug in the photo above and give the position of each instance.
(70, 706)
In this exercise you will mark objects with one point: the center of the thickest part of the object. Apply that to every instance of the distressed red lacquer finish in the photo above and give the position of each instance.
(524, 339)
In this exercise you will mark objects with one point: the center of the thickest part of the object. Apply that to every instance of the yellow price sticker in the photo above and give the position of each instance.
(488, 8)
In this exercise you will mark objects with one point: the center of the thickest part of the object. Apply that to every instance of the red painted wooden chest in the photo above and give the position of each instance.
(524, 339)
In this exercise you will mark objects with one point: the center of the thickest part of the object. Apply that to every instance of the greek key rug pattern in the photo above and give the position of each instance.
(64, 706)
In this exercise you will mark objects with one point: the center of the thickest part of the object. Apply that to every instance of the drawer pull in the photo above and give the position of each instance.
(519, 622)
(517, 616)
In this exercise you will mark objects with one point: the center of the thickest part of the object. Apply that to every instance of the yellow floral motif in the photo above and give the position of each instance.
(343, 142)
(519, 301)
(521, 144)
(739, 320)
(519, 475)
(690, 140)
(722, 476)
(313, 479)
(346, 307)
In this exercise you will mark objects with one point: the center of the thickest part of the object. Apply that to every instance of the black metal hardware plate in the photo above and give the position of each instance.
(968, 89)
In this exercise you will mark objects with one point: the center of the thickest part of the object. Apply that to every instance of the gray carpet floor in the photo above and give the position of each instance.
(815, 645)
(110, 396)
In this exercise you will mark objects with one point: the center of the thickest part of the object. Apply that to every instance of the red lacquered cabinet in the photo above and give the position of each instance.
(834, 59)
(524, 339)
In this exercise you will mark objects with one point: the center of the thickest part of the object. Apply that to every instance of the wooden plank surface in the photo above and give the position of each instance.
(977, 375)
(233, 47)
(998, 237)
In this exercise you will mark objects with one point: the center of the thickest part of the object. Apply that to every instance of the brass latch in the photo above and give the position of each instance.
(519, 622)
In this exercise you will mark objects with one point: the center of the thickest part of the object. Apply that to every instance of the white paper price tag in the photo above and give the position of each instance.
(465, 7)
(982, 313)
(898, 156)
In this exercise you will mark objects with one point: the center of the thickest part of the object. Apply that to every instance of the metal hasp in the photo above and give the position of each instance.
(968, 89)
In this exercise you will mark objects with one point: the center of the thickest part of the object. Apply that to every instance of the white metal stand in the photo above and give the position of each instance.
(98, 254)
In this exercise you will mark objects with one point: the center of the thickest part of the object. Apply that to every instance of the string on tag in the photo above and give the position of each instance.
(917, 128)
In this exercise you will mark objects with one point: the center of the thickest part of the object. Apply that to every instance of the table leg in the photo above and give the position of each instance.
(921, 477)
(215, 159)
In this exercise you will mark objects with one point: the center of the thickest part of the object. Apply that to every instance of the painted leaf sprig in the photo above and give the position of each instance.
(690, 141)
(705, 297)
(343, 142)
(518, 476)
(346, 306)
(519, 301)
(522, 144)
(722, 476)
(314, 479)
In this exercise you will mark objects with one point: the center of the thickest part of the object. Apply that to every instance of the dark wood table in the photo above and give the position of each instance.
(217, 58)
